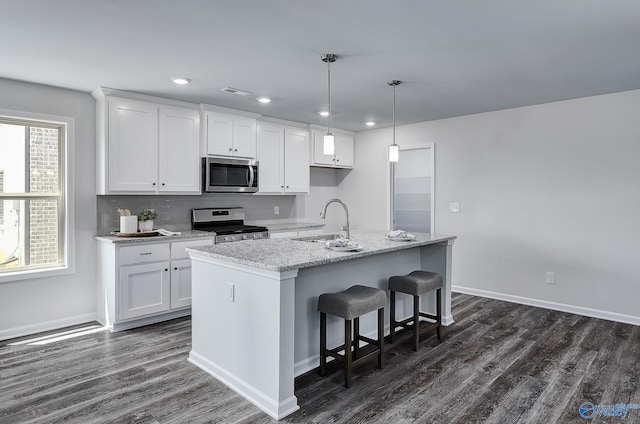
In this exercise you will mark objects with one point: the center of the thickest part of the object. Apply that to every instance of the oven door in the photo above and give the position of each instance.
(230, 175)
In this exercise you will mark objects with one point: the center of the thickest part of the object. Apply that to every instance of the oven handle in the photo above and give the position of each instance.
(251, 176)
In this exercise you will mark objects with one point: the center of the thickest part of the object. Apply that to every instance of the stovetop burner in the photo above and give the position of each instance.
(228, 224)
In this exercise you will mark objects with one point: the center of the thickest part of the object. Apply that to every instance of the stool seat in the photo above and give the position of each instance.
(352, 302)
(416, 282)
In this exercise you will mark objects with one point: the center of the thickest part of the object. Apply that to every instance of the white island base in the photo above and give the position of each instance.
(255, 329)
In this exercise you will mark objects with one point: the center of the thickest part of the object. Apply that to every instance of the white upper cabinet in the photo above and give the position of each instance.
(146, 147)
(296, 161)
(343, 152)
(230, 135)
(179, 159)
(132, 146)
(283, 157)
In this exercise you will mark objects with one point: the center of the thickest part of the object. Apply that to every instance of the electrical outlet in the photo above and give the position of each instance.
(455, 207)
(231, 295)
(551, 278)
(276, 210)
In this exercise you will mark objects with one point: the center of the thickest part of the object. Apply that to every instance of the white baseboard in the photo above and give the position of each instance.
(270, 406)
(26, 330)
(579, 310)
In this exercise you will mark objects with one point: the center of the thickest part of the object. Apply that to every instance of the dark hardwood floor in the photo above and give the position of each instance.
(499, 363)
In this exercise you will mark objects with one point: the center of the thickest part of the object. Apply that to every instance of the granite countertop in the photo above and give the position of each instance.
(280, 225)
(184, 234)
(288, 254)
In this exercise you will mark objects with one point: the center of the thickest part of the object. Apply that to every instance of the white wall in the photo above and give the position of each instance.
(324, 185)
(552, 187)
(28, 306)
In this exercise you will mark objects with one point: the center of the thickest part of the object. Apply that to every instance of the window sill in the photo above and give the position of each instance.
(33, 274)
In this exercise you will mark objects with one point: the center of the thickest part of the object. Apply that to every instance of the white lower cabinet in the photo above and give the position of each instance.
(144, 290)
(140, 284)
(180, 283)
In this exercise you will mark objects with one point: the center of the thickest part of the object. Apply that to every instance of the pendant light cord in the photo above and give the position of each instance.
(394, 114)
(329, 96)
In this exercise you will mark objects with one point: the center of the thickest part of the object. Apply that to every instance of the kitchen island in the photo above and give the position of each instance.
(255, 324)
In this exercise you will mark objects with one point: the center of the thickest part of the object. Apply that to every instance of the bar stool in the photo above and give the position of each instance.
(350, 304)
(416, 283)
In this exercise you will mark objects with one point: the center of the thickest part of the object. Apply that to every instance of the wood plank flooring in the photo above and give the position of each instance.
(499, 363)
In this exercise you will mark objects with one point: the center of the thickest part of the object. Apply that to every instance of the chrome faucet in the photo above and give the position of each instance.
(323, 214)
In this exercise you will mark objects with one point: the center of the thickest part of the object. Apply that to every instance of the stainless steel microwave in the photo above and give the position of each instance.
(229, 175)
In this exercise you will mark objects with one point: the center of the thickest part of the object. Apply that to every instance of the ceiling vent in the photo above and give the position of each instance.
(235, 91)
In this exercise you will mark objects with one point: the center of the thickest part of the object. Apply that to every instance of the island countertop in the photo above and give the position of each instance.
(287, 254)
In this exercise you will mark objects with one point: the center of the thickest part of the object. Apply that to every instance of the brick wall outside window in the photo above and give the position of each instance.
(43, 214)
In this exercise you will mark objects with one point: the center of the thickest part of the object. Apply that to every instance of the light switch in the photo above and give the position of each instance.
(276, 210)
(455, 207)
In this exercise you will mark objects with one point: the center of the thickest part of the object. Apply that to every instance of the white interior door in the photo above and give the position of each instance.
(412, 190)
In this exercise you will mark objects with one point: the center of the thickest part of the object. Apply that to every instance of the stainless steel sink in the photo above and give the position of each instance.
(320, 238)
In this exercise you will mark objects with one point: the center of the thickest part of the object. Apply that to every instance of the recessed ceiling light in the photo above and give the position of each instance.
(264, 100)
(180, 80)
(369, 123)
(323, 113)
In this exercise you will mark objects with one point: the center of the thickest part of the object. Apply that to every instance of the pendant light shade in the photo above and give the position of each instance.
(394, 153)
(328, 145)
(394, 149)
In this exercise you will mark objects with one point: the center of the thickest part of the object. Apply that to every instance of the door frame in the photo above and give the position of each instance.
(391, 185)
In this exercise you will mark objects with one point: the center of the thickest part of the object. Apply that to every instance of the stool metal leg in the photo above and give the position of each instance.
(381, 338)
(416, 322)
(439, 313)
(347, 353)
(392, 316)
(323, 343)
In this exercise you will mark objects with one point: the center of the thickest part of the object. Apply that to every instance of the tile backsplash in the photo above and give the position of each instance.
(174, 212)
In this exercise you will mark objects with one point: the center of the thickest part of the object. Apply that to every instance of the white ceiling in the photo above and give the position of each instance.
(455, 57)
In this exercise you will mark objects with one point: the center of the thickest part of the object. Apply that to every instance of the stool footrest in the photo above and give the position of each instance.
(355, 360)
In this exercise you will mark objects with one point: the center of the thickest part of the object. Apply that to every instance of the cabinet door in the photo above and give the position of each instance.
(244, 137)
(143, 290)
(133, 146)
(219, 134)
(344, 151)
(270, 157)
(180, 283)
(319, 158)
(179, 166)
(296, 161)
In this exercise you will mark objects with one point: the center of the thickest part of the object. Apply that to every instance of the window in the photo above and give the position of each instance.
(33, 233)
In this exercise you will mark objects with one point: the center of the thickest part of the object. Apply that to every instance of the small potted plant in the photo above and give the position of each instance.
(145, 219)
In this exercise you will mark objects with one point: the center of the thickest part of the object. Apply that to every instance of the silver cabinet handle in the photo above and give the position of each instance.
(145, 253)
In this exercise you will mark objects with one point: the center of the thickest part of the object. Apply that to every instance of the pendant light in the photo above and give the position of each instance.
(328, 146)
(394, 149)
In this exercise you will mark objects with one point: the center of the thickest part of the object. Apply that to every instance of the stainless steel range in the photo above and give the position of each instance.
(227, 223)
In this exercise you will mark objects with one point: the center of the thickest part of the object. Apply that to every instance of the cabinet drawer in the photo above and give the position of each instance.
(177, 248)
(144, 253)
